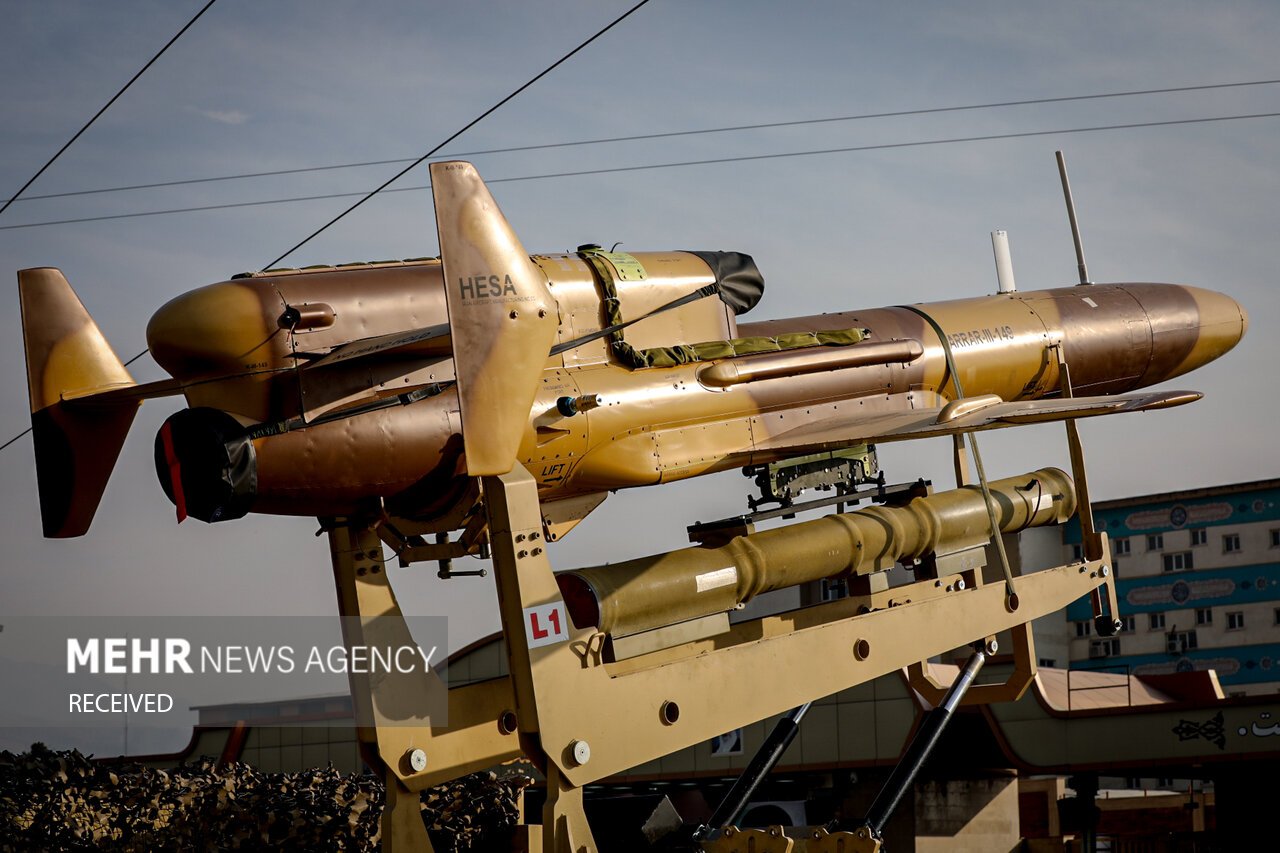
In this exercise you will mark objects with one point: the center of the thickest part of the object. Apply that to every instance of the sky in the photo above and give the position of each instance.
(286, 84)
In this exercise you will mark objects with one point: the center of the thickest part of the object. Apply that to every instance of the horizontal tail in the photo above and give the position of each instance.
(78, 433)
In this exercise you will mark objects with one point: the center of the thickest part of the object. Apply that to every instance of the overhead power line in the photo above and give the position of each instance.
(371, 194)
(81, 131)
(663, 135)
(460, 131)
(669, 165)
(883, 146)
(107, 106)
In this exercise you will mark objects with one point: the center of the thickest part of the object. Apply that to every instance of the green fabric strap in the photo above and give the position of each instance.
(707, 351)
(711, 350)
(612, 305)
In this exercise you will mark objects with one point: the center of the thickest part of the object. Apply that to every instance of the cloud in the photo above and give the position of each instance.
(223, 116)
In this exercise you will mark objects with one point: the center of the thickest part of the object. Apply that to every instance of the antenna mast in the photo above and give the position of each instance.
(1071, 214)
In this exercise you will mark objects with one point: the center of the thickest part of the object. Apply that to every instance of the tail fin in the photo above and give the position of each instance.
(502, 317)
(77, 439)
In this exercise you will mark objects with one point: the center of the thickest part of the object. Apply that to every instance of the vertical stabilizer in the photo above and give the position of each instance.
(502, 317)
(77, 439)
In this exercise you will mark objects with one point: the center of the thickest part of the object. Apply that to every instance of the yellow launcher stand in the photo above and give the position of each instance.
(581, 717)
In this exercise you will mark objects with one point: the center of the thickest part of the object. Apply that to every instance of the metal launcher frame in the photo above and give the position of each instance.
(581, 712)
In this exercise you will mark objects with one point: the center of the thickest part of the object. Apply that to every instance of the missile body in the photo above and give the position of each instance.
(653, 424)
(650, 592)
(385, 390)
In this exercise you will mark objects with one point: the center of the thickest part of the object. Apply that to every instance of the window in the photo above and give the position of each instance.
(1180, 641)
(1077, 553)
(832, 590)
(1126, 624)
(1104, 648)
(1120, 547)
(1155, 542)
(1046, 662)
(1231, 543)
(1275, 539)
(1181, 561)
(1235, 620)
(1156, 620)
(1199, 536)
(1204, 616)
(1277, 616)
(1083, 629)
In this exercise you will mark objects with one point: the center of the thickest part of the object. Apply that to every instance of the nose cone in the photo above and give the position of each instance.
(222, 328)
(1220, 323)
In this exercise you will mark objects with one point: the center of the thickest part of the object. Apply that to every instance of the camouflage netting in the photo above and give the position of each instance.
(62, 801)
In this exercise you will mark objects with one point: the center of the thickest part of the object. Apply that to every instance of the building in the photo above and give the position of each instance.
(1198, 582)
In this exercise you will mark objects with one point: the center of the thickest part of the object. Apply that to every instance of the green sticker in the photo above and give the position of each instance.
(627, 267)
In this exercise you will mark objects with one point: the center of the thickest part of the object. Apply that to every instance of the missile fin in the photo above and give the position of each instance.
(78, 422)
(502, 317)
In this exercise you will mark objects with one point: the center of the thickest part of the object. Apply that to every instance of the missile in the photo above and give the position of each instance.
(652, 592)
(384, 390)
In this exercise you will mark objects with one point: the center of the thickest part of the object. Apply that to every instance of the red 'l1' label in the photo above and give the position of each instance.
(545, 624)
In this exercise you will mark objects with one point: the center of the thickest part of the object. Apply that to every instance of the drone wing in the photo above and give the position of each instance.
(960, 416)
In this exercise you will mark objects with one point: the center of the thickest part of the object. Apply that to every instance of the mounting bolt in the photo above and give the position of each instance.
(992, 647)
(581, 752)
(960, 583)
(417, 760)
(1106, 571)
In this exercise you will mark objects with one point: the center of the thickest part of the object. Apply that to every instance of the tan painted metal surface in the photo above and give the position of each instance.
(500, 317)
(410, 362)
(68, 359)
(584, 718)
(375, 395)
(562, 679)
(444, 372)
(663, 424)
(394, 710)
(640, 594)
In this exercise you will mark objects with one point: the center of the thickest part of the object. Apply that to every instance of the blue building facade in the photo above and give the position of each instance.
(1198, 583)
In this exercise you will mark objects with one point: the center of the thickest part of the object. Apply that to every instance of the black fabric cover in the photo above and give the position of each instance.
(741, 284)
(217, 464)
